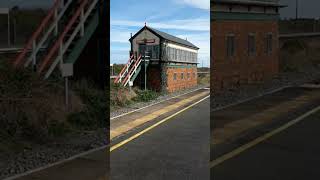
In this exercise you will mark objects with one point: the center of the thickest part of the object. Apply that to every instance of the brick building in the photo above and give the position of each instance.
(244, 42)
(162, 62)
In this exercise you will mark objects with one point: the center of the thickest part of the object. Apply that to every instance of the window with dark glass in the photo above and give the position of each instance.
(269, 43)
(155, 54)
(175, 54)
(230, 45)
(251, 44)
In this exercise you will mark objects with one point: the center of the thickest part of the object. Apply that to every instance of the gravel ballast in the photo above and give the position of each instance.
(41, 155)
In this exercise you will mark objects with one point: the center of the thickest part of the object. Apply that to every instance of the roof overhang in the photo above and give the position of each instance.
(173, 42)
(160, 37)
(249, 2)
(180, 62)
(142, 29)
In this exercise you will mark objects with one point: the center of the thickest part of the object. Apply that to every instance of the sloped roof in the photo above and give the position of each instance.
(167, 37)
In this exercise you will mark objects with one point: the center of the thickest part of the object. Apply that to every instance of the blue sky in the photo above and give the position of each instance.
(183, 18)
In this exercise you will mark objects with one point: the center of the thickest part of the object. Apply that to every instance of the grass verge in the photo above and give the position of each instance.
(32, 111)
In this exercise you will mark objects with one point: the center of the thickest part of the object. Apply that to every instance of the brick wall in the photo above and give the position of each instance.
(153, 78)
(230, 72)
(179, 83)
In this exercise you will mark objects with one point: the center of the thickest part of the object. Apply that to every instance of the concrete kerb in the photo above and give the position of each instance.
(115, 117)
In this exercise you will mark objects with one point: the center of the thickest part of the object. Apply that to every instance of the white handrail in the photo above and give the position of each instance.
(53, 26)
(127, 69)
(71, 38)
(133, 72)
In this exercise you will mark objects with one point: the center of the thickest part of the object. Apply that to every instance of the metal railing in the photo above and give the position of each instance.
(54, 27)
(124, 70)
(31, 42)
(132, 70)
(59, 48)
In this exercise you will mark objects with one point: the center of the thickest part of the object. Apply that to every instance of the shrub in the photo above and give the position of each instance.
(120, 96)
(294, 46)
(32, 109)
(96, 106)
(204, 79)
(146, 95)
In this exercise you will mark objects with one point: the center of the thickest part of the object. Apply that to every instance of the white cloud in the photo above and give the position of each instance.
(202, 40)
(120, 36)
(201, 4)
(200, 24)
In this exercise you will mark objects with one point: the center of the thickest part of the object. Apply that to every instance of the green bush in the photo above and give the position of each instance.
(294, 46)
(58, 129)
(32, 109)
(204, 79)
(146, 95)
(96, 106)
(120, 96)
(117, 68)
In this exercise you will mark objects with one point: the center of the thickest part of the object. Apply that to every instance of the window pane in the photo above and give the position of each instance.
(175, 54)
(230, 45)
(269, 43)
(251, 45)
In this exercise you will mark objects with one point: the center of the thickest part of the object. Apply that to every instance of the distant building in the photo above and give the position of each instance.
(171, 61)
(244, 41)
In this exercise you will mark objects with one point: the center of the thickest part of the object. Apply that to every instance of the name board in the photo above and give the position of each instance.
(4, 10)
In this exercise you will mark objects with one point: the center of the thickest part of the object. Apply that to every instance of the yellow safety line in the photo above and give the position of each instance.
(130, 125)
(261, 139)
(265, 116)
(153, 126)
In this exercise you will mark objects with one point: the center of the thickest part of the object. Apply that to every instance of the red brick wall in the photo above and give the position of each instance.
(179, 83)
(241, 69)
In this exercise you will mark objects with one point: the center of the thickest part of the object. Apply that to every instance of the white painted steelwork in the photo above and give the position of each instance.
(63, 47)
(135, 67)
(53, 27)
